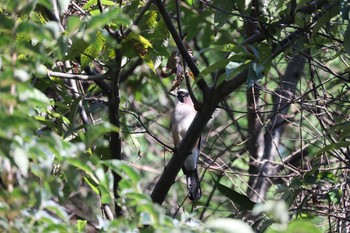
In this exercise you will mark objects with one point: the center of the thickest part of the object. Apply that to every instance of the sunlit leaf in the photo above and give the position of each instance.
(189, 2)
(114, 15)
(81, 224)
(92, 185)
(56, 209)
(277, 210)
(53, 28)
(335, 195)
(21, 159)
(123, 169)
(73, 24)
(93, 50)
(300, 226)
(63, 5)
(229, 225)
(84, 167)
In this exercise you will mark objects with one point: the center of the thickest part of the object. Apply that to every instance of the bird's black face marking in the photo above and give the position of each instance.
(181, 95)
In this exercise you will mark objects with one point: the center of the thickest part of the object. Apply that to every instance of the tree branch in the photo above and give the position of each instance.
(138, 118)
(308, 9)
(81, 77)
(211, 96)
(115, 139)
(184, 53)
(168, 176)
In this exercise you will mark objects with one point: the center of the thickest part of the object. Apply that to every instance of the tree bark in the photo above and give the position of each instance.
(275, 129)
(115, 140)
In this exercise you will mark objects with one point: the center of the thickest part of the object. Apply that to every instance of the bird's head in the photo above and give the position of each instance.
(181, 95)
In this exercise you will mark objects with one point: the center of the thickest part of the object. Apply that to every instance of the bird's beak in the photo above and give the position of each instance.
(173, 93)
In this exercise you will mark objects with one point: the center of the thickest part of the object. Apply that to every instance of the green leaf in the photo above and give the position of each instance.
(242, 5)
(90, 3)
(46, 3)
(95, 132)
(277, 210)
(229, 225)
(79, 45)
(73, 24)
(242, 201)
(21, 159)
(254, 73)
(231, 67)
(92, 51)
(92, 185)
(122, 169)
(232, 70)
(36, 97)
(213, 67)
(104, 187)
(151, 19)
(223, 63)
(145, 219)
(144, 42)
(325, 18)
(63, 5)
(189, 2)
(147, 58)
(114, 15)
(53, 28)
(335, 195)
(292, 192)
(74, 106)
(265, 56)
(222, 16)
(299, 226)
(85, 167)
(56, 209)
(80, 225)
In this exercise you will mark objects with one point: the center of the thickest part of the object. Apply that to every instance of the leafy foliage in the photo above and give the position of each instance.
(74, 74)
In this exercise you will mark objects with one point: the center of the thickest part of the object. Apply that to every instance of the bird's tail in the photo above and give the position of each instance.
(193, 185)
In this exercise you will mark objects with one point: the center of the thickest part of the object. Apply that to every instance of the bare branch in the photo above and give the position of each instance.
(276, 127)
(81, 77)
(147, 130)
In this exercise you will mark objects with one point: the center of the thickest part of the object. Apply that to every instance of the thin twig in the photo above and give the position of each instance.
(147, 130)
(81, 77)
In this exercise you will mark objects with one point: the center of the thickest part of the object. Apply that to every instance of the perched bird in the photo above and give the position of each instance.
(181, 120)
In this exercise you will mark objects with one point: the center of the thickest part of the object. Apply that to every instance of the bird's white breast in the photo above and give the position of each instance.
(182, 118)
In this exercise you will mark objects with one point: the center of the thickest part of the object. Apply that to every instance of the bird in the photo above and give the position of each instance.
(181, 119)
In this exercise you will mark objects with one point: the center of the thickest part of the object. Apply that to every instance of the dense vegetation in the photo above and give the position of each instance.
(85, 144)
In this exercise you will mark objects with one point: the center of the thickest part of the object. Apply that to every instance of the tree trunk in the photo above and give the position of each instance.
(259, 185)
